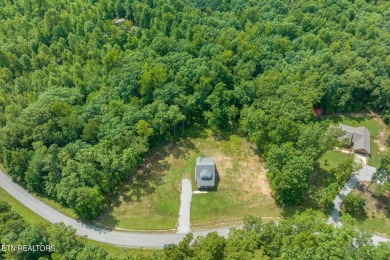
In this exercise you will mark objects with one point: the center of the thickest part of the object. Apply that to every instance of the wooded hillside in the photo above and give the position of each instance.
(82, 100)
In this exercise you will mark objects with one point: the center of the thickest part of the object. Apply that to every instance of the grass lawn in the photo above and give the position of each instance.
(370, 122)
(242, 188)
(376, 128)
(122, 252)
(151, 199)
(331, 159)
(374, 219)
(376, 156)
(376, 223)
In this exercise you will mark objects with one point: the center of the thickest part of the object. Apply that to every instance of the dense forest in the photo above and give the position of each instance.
(304, 236)
(84, 99)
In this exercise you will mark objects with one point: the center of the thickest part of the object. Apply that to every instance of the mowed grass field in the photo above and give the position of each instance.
(151, 199)
(331, 159)
(242, 188)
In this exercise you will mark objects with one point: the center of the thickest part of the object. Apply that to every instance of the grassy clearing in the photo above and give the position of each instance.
(123, 252)
(376, 223)
(242, 188)
(331, 159)
(374, 218)
(150, 200)
(373, 124)
(376, 156)
(370, 122)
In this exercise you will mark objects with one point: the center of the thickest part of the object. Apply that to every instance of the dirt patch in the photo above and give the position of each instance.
(245, 169)
(381, 147)
(373, 205)
(382, 135)
(254, 177)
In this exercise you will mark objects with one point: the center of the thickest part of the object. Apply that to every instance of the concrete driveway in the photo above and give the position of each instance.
(183, 225)
(364, 174)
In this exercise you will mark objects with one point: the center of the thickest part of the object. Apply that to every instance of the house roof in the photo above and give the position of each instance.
(205, 172)
(204, 161)
(360, 136)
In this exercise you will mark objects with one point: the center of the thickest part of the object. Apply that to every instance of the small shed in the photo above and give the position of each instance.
(118, 21)
(318, 111)
(205, 173)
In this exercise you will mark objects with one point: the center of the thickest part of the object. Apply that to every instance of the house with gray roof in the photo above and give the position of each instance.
(359, 138)
(205, 173)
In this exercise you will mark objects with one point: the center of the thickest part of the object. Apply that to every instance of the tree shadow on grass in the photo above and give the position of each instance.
(197, 130)
(360, 216)
(183, 148)
(382, 204)
(148, 176)
(291, 210)
(223, 135)
(145, 180)
(339, 118)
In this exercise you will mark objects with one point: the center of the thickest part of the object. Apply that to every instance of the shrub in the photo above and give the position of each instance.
(354, 203)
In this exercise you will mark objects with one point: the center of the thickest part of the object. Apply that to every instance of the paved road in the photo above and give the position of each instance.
(126, 239)
(183, 226)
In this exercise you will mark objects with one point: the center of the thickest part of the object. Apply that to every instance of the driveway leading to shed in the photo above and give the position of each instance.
(185, 207)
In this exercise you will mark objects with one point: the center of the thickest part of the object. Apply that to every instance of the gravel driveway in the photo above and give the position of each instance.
(183, 225)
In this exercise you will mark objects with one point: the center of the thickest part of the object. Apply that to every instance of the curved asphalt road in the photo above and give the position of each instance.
(126, 239)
